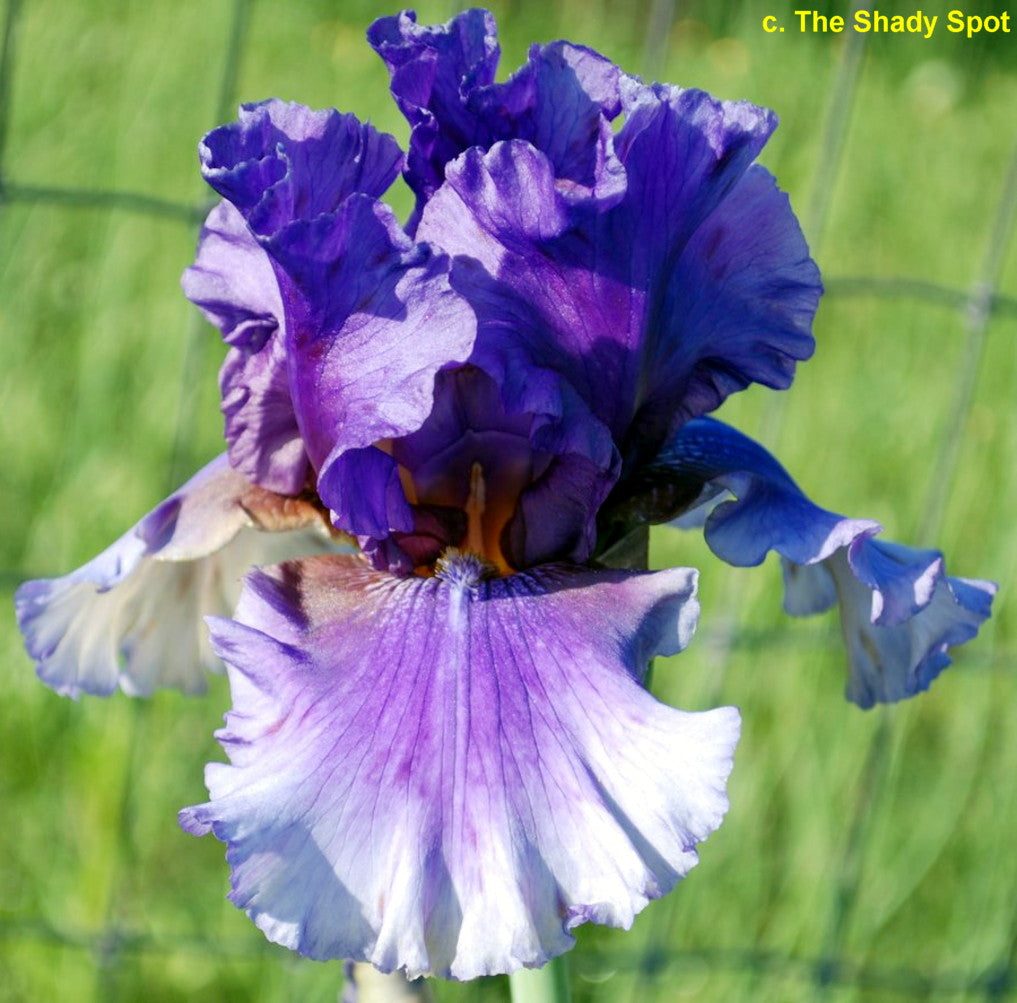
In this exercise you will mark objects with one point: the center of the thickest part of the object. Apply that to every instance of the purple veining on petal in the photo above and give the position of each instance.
(410, 756)
(131, 617)
(899, 610)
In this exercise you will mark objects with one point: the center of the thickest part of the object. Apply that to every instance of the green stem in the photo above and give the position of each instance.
(549, 984)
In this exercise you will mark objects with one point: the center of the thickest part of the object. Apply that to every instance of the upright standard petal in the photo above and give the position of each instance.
(132, 617)
(433, 68)
(371, 320)
(413, 759)
(277, 164)
(697, 283)
(282, 161)
(561, 101)
(899, 610)
(234, 284)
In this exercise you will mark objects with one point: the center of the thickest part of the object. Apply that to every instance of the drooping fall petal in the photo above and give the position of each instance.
(411, 757)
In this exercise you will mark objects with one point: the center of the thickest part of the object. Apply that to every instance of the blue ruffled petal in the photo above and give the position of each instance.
(900, 612)
(891, 658)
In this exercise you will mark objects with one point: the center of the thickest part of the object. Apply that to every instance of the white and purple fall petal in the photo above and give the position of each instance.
(413, 757)
(132, 616)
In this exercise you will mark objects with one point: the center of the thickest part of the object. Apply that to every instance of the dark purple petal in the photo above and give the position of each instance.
(365, 493)
(733, 289)
(132, 617)
(684, 151)
(899, 610)
(412, 757)
(739, 303)
(697, 283)
(434, 529)
(523, 272)
(371, 318)
(561, 101)
(234, 284)
(281, 162)
(433, 68)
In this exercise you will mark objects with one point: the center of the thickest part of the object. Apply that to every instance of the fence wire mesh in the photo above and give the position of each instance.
(979, 306)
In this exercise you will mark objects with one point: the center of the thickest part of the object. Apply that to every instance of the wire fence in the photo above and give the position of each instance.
(975, 308)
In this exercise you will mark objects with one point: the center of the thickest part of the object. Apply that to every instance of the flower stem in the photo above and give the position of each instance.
(549, 984)
(368, 985)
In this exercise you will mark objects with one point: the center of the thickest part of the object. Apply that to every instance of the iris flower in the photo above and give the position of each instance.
(445, 442)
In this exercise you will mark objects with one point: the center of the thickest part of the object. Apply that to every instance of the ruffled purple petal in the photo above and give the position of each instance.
(561, 101)
(696, 284)
(740, 300)
(732, 287)
(900, 612)
(523, 272)
(434, 68)
(277, 164)
(412, 757)
(232, 281)
(280, 162)
(234, 284)
(684, 151)
(132, 617)
(371, 320)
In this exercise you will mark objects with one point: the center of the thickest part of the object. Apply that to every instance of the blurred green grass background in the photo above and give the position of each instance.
(867, 856)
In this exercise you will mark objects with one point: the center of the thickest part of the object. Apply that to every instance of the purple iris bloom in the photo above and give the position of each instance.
(445, 442)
